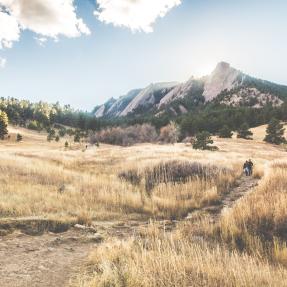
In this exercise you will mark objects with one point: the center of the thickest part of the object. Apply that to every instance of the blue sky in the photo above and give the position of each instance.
(189, 40)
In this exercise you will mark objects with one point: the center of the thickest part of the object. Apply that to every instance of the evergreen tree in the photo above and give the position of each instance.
(51, 134)
(202, 141)
(19, 138)
(3, 125)
(66, 144)
(275, 132)
(57, 138)
(244, 132)
(77, 137)
(225, 132)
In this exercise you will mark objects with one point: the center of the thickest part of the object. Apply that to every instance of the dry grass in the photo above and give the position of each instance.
(257, 223)
(43, 179)
(163, 260)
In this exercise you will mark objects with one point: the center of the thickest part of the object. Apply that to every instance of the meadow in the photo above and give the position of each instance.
(244, 247)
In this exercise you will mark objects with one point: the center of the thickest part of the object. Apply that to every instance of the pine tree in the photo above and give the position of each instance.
(225, 132)
(57, 138)
(244, 132)
(66, 144)
(202, 141)
(77, 137)
(19, 138)
(275, 132)
(3, 125)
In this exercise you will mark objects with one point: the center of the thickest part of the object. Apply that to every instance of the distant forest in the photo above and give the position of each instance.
(209, 117)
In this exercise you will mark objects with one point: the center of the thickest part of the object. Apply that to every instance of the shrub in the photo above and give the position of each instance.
(178, 171)
(34, 125)
(131, 176)
(126, 136)
(19, 138)
(169, 133)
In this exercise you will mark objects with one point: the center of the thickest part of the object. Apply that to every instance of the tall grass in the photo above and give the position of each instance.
(161, 260)
(257, 223)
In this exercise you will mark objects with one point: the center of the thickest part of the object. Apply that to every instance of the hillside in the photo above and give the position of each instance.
(225, 85)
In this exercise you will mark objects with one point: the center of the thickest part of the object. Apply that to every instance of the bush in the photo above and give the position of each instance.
(169, 133)
(34, 125)
(126, 136)
(19, 138)
(171, 172)
(131, 176)
(178, 171)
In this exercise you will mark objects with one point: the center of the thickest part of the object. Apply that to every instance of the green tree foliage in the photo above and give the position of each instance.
(57, 138)
(62, 132)
(244, 132)
(77, 137)
(3, 125)
(51, 135)
(66, 144)
(275, 132)
(225, 132)
(34, 125)
(19, 138)
(202, 141)
(41, 115)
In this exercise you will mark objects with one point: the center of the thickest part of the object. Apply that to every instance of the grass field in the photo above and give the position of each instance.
(42, 179)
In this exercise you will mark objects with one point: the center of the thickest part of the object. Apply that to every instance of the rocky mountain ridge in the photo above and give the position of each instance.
(225, 85)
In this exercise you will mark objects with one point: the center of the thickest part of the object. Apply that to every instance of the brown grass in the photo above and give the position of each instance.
(44, 180)
(161, 260)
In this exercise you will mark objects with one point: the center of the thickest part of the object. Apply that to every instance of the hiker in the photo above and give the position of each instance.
(250, 167)
(246, 168)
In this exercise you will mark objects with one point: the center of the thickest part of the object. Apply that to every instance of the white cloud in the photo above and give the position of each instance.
(41, 41)
(47, 18)
(134, 14)
(2, 63)
(9, 30)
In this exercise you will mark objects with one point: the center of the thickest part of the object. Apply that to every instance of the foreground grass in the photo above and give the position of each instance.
(247, 248)
(257, 223)
(161, 260)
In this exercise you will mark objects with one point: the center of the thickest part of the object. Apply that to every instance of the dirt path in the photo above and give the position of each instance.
(52, 259)
(47, 260)
(242, 186)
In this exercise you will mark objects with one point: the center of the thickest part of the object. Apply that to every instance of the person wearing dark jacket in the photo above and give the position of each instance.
(246, 168)
(250, 167)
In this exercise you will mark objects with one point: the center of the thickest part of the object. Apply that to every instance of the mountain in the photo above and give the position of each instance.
(113, 108)
(225, 85)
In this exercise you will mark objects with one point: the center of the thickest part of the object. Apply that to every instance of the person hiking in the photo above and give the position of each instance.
(246, 168)
(250, 167)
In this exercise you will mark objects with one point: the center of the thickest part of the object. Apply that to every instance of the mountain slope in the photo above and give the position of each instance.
(225, 85)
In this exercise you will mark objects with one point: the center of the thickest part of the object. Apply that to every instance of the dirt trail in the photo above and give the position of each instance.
(47, 260)
(53, 259)
(242, 186)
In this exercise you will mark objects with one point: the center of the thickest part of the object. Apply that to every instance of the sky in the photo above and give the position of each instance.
(84, 52)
